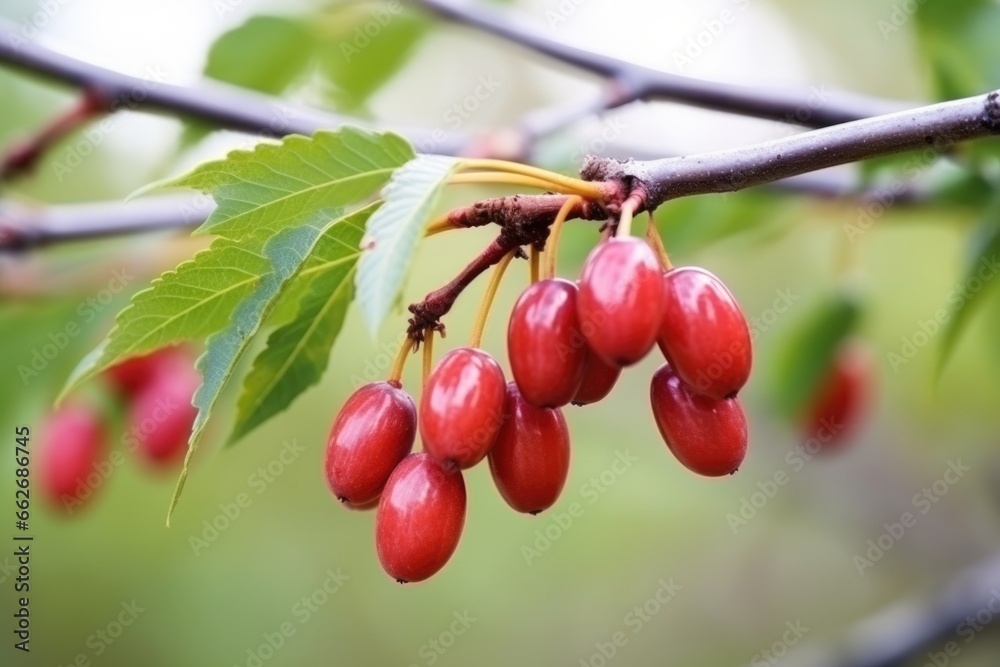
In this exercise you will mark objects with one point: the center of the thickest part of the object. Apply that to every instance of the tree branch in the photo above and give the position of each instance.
(217, 103)
(936, 128)
(23, 228)
(635, 81)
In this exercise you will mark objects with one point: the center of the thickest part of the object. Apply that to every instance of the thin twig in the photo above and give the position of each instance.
(636, 82)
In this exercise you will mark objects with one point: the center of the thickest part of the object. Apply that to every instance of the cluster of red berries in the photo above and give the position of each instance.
(567, 343)
(155, 391)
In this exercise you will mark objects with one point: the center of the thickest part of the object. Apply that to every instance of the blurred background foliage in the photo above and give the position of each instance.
(793, 561)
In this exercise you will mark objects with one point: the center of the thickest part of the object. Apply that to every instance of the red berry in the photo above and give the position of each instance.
(419, 518)
(703, 334)
(71, 445)
(130, 376)
(842, 397)
(372, 434)
(621, 300)
(546, 349)
(461, 408)
(707, 436)
(599, 379)
(530, 460)
(161, 415)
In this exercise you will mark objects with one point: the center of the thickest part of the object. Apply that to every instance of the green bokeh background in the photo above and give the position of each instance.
(792, 562)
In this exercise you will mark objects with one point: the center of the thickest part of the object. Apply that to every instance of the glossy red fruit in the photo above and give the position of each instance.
(843, 395)
(419, 518)
(621, 300)
(546, 349)
(599, 379)
(373, 432)
(71, 447)
(707, 436)
(132, 375)
(160, 416)
(530, 459)
(461, 407)
(704, 334)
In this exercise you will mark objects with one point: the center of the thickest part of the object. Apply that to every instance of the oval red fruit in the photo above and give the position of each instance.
(71, 444)
(461, 407)
(373, 432)
(707, 436)
(530, 459)
(621, 300)
(161, 416)
(840, 402)
(132, 375)
(599, 379)
(546, 349)
(419, 518)
(704, 334)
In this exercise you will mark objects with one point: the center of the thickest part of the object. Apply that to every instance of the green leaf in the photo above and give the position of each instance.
(297, 353)
(395, 231)
(187, 303)
(284, 184)
(266, 53)
(959, 39)
(804, 359)
(966, 298)
(357, 62)
(286, 251)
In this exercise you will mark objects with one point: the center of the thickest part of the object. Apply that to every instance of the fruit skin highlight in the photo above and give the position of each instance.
(420, 518)
(546, 349)
(530, 459)
(704, 334)
(621, 300)
(461, 407)
(373, 432)
(707, 436)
